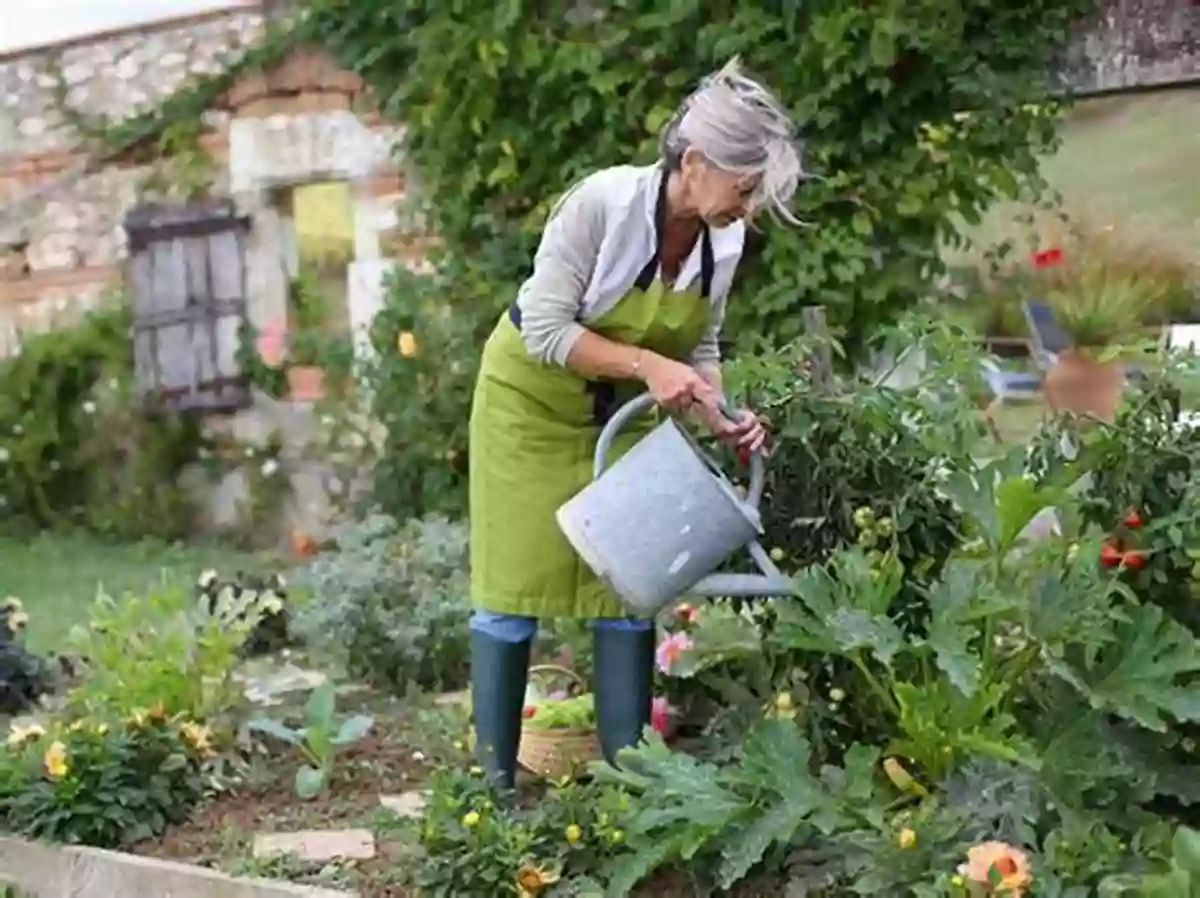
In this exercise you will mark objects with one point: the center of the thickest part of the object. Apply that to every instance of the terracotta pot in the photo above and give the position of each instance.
(1078, 382)
(306, 383)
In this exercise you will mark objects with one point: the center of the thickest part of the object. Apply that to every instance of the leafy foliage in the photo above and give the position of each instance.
(102, 785)
(391, 604)
(24, 676)
(473, 848)
(1044, 703)
(162, 650)
(78, 448)
(319, 739)
(916, 118)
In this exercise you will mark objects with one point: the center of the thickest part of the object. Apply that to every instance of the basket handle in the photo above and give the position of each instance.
(554, 668)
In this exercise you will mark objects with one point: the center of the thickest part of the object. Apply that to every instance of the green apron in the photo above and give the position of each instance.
(532, 438)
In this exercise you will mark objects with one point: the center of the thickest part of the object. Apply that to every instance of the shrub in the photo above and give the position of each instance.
(1042, 707)
(390, 602)
(24, 676)
(472, 848)
(162, 650)
(77, 447)
(108, 786)
(263, 600)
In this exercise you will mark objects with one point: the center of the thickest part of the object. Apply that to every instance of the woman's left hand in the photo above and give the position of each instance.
(747, 434)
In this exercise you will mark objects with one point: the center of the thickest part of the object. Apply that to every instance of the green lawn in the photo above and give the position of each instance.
(1128, 163)
(57, 577)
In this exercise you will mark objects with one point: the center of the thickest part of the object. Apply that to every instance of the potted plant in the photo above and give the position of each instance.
(306, 341)
(1099, 310)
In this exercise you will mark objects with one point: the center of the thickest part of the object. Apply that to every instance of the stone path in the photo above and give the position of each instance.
(317, 846)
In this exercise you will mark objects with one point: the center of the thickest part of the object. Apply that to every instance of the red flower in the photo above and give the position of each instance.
(1047, 258)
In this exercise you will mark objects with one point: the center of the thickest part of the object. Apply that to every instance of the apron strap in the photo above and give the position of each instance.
(604, 392)
(648, 273)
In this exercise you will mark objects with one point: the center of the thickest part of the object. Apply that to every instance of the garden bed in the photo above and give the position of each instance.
(221, 833)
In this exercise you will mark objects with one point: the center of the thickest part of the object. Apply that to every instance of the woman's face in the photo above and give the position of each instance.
(719, 197)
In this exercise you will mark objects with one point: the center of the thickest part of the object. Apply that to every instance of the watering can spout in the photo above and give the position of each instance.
(771, 583)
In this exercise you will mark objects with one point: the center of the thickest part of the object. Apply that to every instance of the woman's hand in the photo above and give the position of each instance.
(675, 386)
(747, 434)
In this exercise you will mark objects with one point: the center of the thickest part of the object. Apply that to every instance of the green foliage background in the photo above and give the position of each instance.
(506, 105)
(916, 115)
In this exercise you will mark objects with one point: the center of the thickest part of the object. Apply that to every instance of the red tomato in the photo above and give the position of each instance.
(1111, 556)
(529, 711)
(1133, 520)
(1135, 559)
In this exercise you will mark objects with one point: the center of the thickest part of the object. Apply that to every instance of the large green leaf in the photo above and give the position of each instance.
(353, 729)
(1143, 675)
(277, 730)
(310, 782)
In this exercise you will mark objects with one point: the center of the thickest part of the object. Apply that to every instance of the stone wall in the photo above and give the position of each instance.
(1137, 43)
(61, 239)
(62, 243)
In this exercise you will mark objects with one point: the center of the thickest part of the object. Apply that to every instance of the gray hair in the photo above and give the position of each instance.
(740, 127)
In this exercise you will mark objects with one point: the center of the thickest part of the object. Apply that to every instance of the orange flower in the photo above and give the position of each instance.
(1011, 864)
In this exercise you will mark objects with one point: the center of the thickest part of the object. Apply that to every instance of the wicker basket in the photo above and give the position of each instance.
(557, 753)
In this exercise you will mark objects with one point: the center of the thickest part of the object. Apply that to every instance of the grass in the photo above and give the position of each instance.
(1127, 164)
(57, 577)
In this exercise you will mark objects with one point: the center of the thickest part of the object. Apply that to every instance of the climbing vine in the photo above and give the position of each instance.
(916, 117)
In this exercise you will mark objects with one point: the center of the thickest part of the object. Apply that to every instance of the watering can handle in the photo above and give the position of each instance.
(645, 401)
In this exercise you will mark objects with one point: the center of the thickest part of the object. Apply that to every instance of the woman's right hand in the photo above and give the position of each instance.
(674, 385)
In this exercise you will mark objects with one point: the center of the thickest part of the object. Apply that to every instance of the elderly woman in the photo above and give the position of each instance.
(627, 294)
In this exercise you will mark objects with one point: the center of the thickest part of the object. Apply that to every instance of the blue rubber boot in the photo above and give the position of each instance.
(499, 674)
(623, 674)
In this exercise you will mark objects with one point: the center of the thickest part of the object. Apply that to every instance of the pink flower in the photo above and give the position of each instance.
(272, 344)
(661, 713)
(671, 649)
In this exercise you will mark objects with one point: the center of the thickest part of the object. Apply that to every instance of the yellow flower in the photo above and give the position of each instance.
(784, 702)
(470, 820)
(407, 344)
(532, 879)
(957, 880)
(459, 745)
(574, 833)
(197, 736)
(55, 761)
(136, 719)
(19, 736)
(1011, 863)
(17, 621)
(76, 726)
(476, 771)
(906, 838)
(157, 714)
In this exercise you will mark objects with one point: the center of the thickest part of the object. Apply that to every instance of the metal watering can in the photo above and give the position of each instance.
(656, 524)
